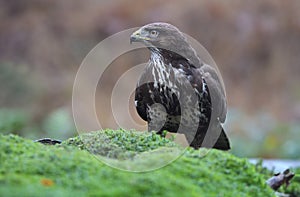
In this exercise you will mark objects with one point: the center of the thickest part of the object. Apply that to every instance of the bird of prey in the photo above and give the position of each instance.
(177, 91)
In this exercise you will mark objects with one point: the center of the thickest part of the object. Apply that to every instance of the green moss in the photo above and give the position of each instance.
(33, 169)
(119, 144)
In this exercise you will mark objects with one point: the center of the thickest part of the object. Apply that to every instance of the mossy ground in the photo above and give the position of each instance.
(33, 169)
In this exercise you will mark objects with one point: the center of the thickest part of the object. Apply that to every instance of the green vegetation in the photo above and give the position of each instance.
(32, 169)
(265, 136)
(57, 124)
(12, 120)
(119, 144)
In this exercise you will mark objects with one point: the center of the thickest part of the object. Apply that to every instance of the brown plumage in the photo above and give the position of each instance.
(177, 91)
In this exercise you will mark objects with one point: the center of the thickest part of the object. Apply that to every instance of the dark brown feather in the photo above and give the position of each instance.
(165, 92)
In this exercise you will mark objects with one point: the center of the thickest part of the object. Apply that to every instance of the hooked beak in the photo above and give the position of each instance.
(137, 37)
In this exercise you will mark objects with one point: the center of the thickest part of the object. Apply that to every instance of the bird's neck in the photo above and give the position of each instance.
(158, 60)
(169, 56)
(165, 55)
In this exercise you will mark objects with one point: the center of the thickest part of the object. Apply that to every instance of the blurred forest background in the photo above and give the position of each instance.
(256, 45)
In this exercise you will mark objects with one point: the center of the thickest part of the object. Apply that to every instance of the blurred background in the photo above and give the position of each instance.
(256, 45)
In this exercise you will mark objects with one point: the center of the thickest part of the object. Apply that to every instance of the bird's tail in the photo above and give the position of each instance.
(223, 142)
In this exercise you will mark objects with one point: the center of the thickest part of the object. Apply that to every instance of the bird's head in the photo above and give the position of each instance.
(162, 37)
(159, 35)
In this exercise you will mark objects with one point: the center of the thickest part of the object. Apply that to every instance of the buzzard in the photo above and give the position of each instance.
(177, 91)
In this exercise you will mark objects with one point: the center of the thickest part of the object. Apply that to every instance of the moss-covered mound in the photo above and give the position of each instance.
(33, 169)
(119, 144)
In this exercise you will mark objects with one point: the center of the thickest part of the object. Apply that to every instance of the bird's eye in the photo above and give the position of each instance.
(153, 33)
